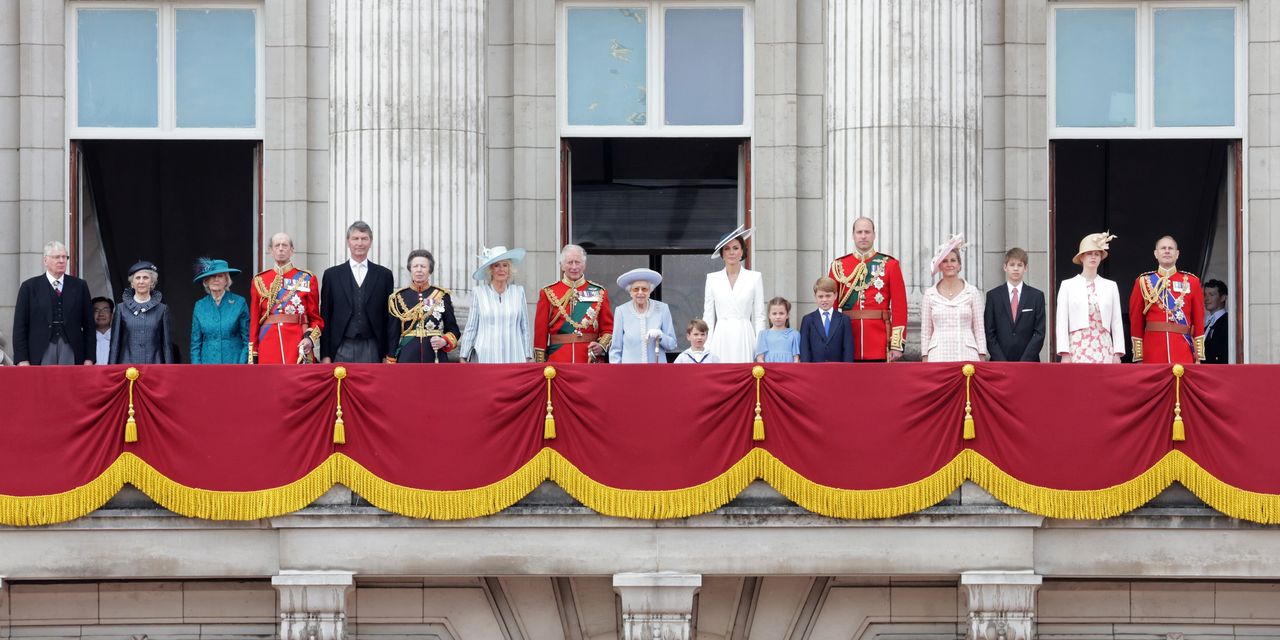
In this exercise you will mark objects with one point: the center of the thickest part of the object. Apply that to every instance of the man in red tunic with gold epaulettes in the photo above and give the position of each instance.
(574, 320)
(284, 310)
(1166, 311)
(872, 294)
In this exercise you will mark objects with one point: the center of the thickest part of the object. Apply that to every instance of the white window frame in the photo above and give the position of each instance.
(655, 81)
(166, 109)
(1144, 63)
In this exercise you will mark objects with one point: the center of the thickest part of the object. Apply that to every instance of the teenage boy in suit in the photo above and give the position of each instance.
(1014, 316)
(826, 335)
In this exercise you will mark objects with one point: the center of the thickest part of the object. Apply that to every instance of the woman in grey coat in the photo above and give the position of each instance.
(140, 329)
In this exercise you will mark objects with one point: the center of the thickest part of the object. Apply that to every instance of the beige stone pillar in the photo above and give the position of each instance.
(903, 115)
(313, 604)
(407, 130)
(657, 606)
(1002, 604)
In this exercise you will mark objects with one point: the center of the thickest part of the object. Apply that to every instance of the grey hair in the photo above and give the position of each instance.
(288, 237)
(572, 247)
(362, 226)
(204, 282)
(155, 277)
(54, 245)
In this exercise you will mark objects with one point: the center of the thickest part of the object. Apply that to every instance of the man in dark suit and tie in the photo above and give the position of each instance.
(826, 335)
(353, 303)
(1014, 316)
(53, 318)
(1216, 325)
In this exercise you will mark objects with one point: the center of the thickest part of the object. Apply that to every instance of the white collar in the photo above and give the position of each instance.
(51, 279)
(104, 334)
(1014, 287)
(354, 264)
(1213, 317)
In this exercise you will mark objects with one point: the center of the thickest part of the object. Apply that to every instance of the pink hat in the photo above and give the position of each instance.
(954, 243)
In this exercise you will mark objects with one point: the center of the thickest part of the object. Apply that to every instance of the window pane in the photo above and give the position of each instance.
(653, 195)
(116, 67)
(704, 68)
(216, 68)
(607, 54)
(1095, 69)
(1195, 67)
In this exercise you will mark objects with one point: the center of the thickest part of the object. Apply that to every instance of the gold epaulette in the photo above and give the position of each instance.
(444, 290)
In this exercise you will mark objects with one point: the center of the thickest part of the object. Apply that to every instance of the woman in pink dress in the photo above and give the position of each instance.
(951, 320)
(1090, 325)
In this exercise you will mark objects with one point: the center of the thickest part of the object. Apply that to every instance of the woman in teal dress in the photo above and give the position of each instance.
(220, 322)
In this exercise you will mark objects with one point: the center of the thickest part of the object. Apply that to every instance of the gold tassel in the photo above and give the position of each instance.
(339, 429)
(969, 433)
(131, 425)
(757, 427)
(1179, 432)
(549, 425)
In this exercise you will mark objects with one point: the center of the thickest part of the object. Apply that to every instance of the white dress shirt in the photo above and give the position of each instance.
(359, 270)
(104, 346)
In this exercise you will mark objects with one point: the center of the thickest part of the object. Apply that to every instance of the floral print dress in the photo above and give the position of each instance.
(1092, 344)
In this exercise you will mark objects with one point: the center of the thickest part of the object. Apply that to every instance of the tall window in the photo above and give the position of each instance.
(655, 113)
(1146, 69)
(165, 70)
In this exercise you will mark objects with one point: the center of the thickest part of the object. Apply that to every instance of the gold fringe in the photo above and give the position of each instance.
(442, 505)
(655, 505)
(865, 503)
(1093, 504)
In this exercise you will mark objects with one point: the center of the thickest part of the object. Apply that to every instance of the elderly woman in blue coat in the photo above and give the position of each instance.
(642, 329)
(220, 322)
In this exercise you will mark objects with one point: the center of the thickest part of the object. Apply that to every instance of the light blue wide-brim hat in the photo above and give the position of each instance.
(494, 255)
(206, 267)
(741, 232)
(640, 275)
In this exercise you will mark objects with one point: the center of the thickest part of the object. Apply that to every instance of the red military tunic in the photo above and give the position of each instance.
(284, 306)
(1166, 317)
(870, 291)
(570, 316)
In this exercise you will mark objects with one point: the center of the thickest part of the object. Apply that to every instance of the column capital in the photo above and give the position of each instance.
(313, 604)
(1002, 604)
(657, 606)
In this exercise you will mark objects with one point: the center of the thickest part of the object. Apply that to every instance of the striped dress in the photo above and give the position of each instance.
(497, 328)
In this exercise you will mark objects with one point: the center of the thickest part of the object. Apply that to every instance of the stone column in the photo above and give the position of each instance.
(313, 604)
(407, 131)
(657, 606)
(1002, 604)
(903, 116)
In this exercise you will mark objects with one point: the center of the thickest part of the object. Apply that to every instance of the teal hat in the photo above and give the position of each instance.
(206, 267)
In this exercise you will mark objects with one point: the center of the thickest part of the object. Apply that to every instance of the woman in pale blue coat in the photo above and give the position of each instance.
(642, 329)
(497, 328)
(220, 322)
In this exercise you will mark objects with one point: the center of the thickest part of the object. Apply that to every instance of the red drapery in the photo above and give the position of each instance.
(643, 441)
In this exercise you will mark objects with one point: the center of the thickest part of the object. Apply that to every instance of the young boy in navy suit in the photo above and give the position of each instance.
(825, 334)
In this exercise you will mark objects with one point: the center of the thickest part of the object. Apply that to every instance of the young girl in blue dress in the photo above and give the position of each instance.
(780, 343)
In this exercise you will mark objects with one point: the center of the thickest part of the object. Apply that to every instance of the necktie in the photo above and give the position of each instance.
(826, 323)
(1013, 304)
(359, 274)
(57, 287)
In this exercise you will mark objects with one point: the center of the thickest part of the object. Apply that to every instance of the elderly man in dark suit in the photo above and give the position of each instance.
(53, 321)
(1014, 315)
(353, 303)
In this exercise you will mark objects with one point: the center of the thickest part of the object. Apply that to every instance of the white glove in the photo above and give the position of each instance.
(653, 334)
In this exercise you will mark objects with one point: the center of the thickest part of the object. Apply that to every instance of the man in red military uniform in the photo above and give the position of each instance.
(1166, 311)
(872, 294)
(284, 310)
(573, 321)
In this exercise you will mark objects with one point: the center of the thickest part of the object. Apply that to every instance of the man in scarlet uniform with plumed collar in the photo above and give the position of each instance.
(284, 313)
(870, 291)
(574, 320)
(1166, 311)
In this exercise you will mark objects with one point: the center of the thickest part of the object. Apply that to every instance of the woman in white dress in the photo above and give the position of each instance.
(733, 302)
(951, 319)
(498, 328)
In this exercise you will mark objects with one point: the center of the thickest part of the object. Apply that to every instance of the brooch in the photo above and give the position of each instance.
(879, 297)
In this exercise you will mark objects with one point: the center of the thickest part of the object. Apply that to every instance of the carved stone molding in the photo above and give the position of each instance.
(313, 604)
(1002, 604)
(657, 606)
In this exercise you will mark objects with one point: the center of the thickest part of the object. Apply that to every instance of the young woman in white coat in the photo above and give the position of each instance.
(733, 302)
(1090, 325)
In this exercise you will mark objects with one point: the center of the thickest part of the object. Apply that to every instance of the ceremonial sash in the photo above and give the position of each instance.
(857, 282)
(1170, 304)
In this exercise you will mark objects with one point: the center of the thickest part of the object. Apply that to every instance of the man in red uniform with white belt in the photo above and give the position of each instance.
(284, 310)
(574, 320)
(1166, 311)
(872, 294)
